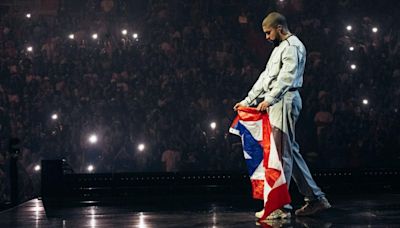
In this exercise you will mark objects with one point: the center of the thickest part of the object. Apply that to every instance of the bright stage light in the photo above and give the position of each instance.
(28, 15)
(124, 31)
(93, 139)
(349, 28)
(213, 125)
(54, 116)
(141, 147)
(365, 101)
(90, 168)
(374, 29)
(353, 66)
(29, 49)
(351, 48)
(135, 35)
(71, 36)
(37, 168)
(94, 36)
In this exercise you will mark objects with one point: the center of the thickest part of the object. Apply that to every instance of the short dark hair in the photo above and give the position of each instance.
(274, 19)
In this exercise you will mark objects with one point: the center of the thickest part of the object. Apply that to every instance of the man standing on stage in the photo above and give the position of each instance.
(276, 92)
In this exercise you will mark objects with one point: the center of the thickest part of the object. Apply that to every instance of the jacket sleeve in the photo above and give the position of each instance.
(255, 91)
(286, 76)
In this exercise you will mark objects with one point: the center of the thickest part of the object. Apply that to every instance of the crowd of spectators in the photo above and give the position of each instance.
(190, 62)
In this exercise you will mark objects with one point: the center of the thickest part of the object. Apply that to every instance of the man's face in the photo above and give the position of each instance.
(272, 34)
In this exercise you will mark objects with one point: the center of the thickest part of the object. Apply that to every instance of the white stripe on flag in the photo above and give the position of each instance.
(254, 127)
(259, 173)
(234, 131)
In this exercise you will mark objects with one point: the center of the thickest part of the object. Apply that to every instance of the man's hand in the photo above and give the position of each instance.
(237, 105)
(262, 106)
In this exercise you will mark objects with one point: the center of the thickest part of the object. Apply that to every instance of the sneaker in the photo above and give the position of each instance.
(259, 214)
(277, 214)
(313, 207)
(274, 223)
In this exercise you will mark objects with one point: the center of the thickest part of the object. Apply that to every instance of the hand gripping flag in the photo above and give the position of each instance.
(262, 159)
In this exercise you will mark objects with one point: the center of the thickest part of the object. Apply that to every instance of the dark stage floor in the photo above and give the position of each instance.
(349, 211)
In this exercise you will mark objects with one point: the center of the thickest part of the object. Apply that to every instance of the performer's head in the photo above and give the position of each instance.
(275, 27)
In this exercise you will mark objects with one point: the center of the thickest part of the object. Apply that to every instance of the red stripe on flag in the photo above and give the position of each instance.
(235, 121)
(277, 197)
(266, 139)
(258, 189)
(272, 176)
(249, 114)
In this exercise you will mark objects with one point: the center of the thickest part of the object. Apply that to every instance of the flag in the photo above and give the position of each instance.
(262, 159)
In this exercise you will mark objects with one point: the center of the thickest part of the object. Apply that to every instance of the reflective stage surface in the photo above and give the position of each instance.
(348, 211)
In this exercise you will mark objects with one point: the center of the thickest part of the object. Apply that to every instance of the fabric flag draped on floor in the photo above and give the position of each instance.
(262, 158)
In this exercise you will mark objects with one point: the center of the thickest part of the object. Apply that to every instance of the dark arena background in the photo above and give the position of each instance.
(116, 113)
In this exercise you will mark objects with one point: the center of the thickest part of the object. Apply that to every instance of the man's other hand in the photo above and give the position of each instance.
(262, 106)
(237, 105)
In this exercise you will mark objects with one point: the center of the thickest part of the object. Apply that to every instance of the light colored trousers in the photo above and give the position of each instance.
(283, 120)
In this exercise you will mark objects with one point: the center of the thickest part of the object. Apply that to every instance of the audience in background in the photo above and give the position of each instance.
(187, 66)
